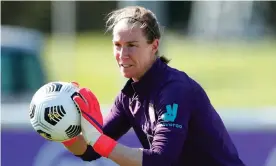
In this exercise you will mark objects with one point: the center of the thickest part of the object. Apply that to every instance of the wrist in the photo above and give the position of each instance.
(89, 155)
(104, 145)
(76, 146)
(69, 142)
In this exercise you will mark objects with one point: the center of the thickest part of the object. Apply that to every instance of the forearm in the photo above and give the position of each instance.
(78, 147)
(125, 156)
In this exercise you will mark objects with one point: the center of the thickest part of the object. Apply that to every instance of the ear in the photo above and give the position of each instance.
(155, 45)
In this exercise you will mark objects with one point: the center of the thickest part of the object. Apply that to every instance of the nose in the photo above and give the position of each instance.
(124, 53)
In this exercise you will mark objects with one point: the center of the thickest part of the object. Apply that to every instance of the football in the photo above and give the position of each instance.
(53, 113)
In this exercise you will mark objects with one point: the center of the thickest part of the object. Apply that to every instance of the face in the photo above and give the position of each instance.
(131, 50)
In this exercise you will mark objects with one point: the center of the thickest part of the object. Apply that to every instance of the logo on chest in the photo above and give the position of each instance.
(151, 113)
(149, 121)
(134, 105)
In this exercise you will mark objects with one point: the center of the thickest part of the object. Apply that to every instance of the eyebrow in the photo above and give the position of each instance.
(134, 41)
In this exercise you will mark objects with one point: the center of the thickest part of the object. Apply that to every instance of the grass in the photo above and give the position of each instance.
(233, 74)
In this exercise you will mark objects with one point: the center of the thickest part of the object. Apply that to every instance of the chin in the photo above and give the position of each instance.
(127, 75)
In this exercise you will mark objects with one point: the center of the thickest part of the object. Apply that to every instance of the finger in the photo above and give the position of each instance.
(94, 108)
(94, 105)
(81, 104)
(75, 84)
(93, 100)
(90, 100)
(84, 94)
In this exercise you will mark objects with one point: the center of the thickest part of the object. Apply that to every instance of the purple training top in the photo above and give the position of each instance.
(174, 120)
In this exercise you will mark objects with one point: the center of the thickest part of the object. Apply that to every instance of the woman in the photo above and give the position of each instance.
(170, 112)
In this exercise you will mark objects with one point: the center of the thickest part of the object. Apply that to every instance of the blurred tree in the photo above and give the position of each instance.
(272, 15)
(265, 14)
(37, 14)
(91, 14)
(179, 14)
(30, 14)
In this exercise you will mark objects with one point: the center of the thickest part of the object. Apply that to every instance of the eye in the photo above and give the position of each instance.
(117, 45)
(131, 45)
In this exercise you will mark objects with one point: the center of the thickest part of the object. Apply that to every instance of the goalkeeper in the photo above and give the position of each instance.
(169, 111)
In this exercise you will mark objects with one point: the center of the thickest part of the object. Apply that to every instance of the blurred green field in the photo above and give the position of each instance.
(233, 74)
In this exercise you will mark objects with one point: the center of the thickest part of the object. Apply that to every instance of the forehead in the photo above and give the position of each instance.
(127, 32)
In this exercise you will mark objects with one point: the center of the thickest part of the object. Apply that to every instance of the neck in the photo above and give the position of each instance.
(136, 79)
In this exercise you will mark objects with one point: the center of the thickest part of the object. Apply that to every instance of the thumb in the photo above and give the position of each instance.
(81, 104)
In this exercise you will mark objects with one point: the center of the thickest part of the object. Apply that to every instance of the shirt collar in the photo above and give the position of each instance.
(151, 80)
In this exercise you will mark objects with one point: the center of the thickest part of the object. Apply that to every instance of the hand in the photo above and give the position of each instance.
(91, 117)
(92, 122)
(70, 142)
(81, 102)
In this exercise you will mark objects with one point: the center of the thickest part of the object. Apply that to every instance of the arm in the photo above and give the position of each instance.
(125, 156)
(78, 146)
(170, 132)
(115, 125)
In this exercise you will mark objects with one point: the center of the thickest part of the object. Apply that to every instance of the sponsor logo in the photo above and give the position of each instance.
(170, 116)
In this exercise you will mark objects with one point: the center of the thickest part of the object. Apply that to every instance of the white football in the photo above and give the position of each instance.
(53, 113)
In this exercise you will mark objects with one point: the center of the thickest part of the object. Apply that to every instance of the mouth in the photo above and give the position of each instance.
(125, 66)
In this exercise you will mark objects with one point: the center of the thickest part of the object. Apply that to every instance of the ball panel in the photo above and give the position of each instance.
(53, 87)
(73, 130)
(32, 111)
(44, 134)
(54, 114)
